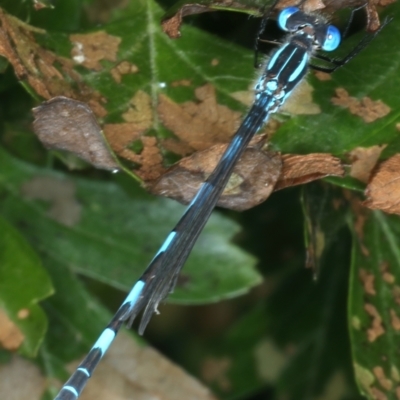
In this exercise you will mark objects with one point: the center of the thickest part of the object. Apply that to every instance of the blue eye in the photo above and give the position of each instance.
(332, 39)
(284, 15)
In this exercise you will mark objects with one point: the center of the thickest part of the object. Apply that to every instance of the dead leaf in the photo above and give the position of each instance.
(66, 124)
(252, 180)
(130, 370)
(300, 169)
(200, 124)
(21, 379)
(46, 73)
(365, 108)
(383, 190)
(60, 193)
(90, 48)
(363, 161)
(11, 337)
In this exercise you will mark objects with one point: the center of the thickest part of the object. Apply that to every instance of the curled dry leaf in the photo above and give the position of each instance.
(251, 183)
(46, 73)
(363, 161)
(383, 190)
(11, 337)
(66, 124)
(131, 371)
(300, 169)
(365, 108)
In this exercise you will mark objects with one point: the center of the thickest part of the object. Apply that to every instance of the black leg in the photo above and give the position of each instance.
(261, 29)
(337, 63)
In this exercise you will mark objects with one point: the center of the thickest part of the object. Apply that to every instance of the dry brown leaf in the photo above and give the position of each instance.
(60, 193)
(21, 380)
(365, 108)
(300, 169)
(201, 124)
(90, 48)
(65, 124)
(46, 73)
(252, 181)
(130, 370)
(363, 161)
(383, 190)
(11, 337)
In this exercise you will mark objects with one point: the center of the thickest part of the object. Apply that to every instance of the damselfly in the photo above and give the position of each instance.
(307, 33)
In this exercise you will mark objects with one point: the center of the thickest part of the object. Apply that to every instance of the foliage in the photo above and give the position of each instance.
(78, 238)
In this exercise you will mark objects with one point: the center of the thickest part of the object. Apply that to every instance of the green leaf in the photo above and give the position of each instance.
(324, 214)
(100, 231)
(23, 283)
(374, 316)
(309, 325)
